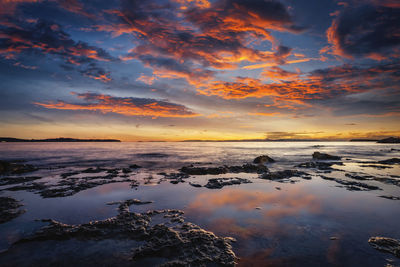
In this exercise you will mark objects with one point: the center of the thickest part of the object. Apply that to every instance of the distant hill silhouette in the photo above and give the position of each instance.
(60, 139)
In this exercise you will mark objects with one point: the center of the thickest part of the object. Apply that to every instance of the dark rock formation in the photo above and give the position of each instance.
(17, 180)
(390, 161)
(195, 184)
(326, 166)
(386, 244)
(352, 185)
(324, 156)
(218, 183)
(9, 209)
(390, 140)
(7, 167)
(263, 159)
(177, 242)
(245, 168)
(286, 174)
(390, 197)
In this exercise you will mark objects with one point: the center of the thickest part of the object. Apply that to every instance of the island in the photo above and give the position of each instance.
(60, 139)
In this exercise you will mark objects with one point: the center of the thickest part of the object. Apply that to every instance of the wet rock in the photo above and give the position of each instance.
(389, 140)
(124, 205)
(390, 197)
(7, 167)
(195, 184)
(173, 240)
(358, 177)
(9, 209)
(277, 188)
(17, 180)
(352, 185)
(245, 168)
(386, 244)
(204, 170)
(379, 167)
(324, 156)
(263, 159)
(69, 174)
(282, 175)
(248, 168)
(326, 166)
(390, 161)
(135, 166)
(333, 238)
(126, 170)
(218, 183)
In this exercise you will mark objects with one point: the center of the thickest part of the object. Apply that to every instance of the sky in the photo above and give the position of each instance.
(170, 70)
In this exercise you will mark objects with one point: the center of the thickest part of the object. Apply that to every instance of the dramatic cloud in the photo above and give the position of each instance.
(366, 29)
(48, 38)
(292, 90)
(128, 106)
(183, 39)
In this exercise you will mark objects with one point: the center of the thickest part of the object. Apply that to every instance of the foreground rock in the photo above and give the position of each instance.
(174, 241)
(245, 168)
(352, 185)
(324, 156)
(263, 159)
(283, 175)
(9, 209)
(386, 244)
(390, 140)
(324, 166)
(390, 161)
(218, 183)
(7, 167)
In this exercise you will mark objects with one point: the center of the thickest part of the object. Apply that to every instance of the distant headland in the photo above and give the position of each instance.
(60, 139)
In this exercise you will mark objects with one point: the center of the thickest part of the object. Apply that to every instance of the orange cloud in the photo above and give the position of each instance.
(127, 106)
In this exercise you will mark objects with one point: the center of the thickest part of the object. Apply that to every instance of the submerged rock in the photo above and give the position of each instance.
(18, 180)
(281, 175)
(263, 159)
(324, 156)
(218, 183)
(176, 242)
(7, 167)
(389, 140)
(390, 161)
(9, 209)
(386, 244)
(390, 197)
(195, 184)
(352, 185)
(245, 168)
(325, 166)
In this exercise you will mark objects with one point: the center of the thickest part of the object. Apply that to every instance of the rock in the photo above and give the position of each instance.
(390, 197)
(257, 208)
(326, 166)
(218, 183)
(281, 175)
(389, 140)
(333, 238)
(172, 239)
(7, 167)
(195, 184)
(245, 168)
(124, 205)
(277, 188)
(18, 180)
(358, 177)
(135, 166)
(9, 209)
(390, 161)
(352, 185)
(204, 170)
(323, 156)
(379, 167)
(263, 159)
(386, 244)
(126, 170)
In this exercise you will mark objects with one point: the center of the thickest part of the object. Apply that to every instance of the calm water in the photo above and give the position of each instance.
(290, 227)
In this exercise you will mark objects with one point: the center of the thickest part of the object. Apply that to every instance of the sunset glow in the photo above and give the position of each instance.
(172, 70)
